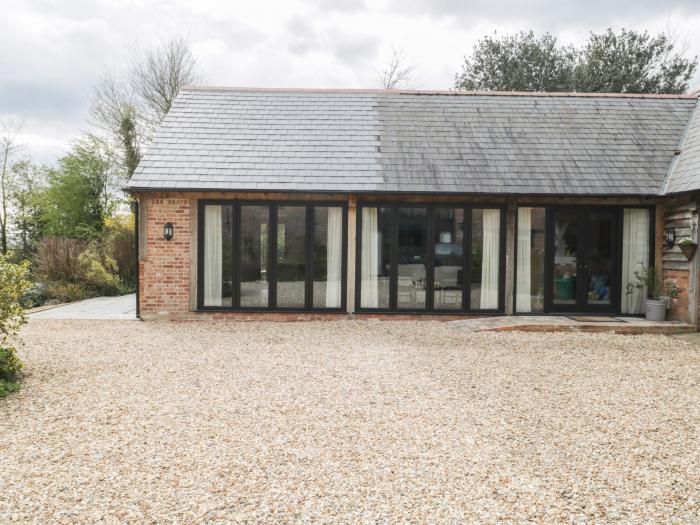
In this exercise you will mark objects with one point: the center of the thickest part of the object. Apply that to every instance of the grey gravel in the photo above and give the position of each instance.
(350, 421)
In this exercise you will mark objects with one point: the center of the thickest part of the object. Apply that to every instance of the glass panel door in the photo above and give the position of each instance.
(412, 250)
(291, 258)
(566, 257)
(584, 260)
(598, 264)
(254, 251)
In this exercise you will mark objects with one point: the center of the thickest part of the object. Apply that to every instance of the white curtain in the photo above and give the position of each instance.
(635, 255)
(334, 254)
(523, 297)
(213, 245)
(369, 290)
(490, 260)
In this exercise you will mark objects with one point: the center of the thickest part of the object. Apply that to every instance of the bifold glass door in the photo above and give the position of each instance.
(418, 258)
(270, 255)
(583, 260)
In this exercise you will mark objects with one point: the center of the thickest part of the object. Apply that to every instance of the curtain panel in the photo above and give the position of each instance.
(635, 256)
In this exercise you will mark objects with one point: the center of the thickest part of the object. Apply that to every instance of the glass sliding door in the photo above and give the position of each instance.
(448, 258)
(271, 255)
(328, 257)
(218, 255)
(430, 257)
(290, 271)
(412, 253)
(254, 253)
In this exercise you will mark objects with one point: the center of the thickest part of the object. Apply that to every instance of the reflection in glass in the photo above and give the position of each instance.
(218, 255)
(328, 254)
(254, 253)
(448, 258)
(566, 251)
(412, 258)
(598, 265)
(291, 260)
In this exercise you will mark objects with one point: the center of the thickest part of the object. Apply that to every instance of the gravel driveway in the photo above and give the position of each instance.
(350, 421)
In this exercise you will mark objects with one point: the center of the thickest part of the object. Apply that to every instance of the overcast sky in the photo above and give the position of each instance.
(53, 52)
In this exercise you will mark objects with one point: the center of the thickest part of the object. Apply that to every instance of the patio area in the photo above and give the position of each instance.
(573, 323)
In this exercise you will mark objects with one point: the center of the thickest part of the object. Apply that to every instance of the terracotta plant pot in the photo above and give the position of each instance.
(655, 309)
(688, 250)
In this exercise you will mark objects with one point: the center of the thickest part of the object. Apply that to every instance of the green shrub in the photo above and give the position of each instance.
(14, 283)
(65, 292)
(34, 296)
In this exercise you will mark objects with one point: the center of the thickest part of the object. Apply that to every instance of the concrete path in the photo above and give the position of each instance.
(123, 307)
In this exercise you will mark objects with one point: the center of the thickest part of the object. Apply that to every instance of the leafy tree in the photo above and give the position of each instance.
(27, 182)
(624, 62)
(129, 106)
(80, 193)
(632, 62)
(14, 283)
(9, 134)
(521, 62)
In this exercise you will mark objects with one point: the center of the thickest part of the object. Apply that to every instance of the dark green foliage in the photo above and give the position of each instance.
(522, 62)
(624, 62)
(632, 62)
(129, 141)
(77, 198)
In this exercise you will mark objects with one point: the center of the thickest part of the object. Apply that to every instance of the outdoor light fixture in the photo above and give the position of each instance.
(168, 231)
(670, 236)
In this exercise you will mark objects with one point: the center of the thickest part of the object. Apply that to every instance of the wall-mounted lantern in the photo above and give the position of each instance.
(168, 231)
(670, 236)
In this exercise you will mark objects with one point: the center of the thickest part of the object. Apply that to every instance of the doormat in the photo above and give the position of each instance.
(594, 319)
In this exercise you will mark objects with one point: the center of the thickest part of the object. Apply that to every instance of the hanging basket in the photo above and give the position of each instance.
(688, 249)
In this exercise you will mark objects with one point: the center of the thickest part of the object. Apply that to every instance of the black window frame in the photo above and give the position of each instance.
(273, 206)
(619, 209)
(430, 272)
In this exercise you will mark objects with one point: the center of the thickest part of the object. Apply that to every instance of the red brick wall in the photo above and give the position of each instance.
(164, 284)
(678, 309)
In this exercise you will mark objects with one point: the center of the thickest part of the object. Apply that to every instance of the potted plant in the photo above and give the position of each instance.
(658, 292)
(688, 248)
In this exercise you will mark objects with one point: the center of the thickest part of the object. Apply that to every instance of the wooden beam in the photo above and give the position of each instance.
(352, 239)
(511, 210)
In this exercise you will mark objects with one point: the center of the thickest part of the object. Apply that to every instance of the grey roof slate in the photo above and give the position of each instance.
(392, 141)
(685, 171)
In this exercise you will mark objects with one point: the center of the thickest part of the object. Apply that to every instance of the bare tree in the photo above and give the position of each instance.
(10, 131)
(157, 76)
(397, 72)
(130, 106)
(114, 109)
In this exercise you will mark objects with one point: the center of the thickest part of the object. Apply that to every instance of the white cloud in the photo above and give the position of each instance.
(54, 51)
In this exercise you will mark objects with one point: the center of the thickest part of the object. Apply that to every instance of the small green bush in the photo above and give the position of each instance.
(34, 296)
(14, 283)
(65, 292)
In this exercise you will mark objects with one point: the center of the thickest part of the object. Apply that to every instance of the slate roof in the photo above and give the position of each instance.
(408, 141)
(685, 172)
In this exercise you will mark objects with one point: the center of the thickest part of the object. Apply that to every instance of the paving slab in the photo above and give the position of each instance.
(121, 307)
(560, 323)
